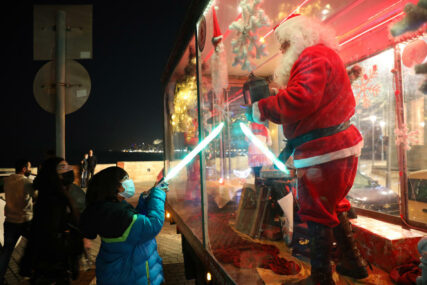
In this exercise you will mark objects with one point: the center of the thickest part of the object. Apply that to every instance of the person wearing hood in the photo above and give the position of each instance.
(128, 253)
(18, 210)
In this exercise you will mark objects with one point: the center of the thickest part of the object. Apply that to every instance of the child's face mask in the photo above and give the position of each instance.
(129, 189)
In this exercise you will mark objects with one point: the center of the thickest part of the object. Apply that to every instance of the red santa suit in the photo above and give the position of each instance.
(318, 95)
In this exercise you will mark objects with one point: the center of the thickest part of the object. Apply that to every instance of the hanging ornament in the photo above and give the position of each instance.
(405, 137)
(247, 44)
(366, 87)
(218, 60)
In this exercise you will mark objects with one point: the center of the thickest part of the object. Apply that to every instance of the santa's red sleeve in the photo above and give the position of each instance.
(303, 93)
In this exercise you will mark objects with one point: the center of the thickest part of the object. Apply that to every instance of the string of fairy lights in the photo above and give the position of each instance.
(185, 102)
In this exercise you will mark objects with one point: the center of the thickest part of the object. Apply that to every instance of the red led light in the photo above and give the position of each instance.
(372, 28)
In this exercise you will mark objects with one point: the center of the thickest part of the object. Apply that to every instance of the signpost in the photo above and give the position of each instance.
(62, 86)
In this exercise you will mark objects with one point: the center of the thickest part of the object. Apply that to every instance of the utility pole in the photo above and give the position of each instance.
(60, 83)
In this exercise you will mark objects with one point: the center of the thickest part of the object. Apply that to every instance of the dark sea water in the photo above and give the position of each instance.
(74, 157)
(115, 156)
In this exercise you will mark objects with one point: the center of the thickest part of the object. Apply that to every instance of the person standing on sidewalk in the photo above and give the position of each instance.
(56, 245)
(128, 253)
(92, 164)
(18, 211)
(85, 170)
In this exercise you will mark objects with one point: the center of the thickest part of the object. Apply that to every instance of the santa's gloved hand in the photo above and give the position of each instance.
(248, 113)
(164, 186)
(273, 91)
(252, 113)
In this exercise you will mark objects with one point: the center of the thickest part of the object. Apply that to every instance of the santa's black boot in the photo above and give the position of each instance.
(351, 262)
(320, 253)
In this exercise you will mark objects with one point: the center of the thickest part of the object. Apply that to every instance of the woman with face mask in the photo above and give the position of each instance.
(128, 253)
(55, 244)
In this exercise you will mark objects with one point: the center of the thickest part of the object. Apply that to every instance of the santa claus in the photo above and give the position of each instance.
(314, 104)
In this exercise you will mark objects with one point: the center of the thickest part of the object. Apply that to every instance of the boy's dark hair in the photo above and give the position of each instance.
(104, 185)
(20, 163)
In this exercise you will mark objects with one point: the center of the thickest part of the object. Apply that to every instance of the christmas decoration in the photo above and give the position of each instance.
(416, 15)
(221, 110)
(218, 59)
(405, 137)
(247, 43)
(367, 87)
(185, 100)
(413, 24)
(414, 53)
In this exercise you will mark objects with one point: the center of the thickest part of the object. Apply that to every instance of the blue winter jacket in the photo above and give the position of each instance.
(128, 253)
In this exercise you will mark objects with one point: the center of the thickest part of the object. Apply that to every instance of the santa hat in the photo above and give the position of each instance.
(280, 29)
(217, 36)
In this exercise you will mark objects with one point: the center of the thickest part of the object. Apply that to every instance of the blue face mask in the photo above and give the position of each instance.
(129, 189)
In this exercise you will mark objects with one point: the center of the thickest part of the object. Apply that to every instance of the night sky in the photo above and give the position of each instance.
(131, 45)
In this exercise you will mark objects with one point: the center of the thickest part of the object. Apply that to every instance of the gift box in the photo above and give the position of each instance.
(385, 245)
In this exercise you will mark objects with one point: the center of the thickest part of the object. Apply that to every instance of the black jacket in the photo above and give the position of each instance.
(92, 162)
(85, 164)
(54, 235)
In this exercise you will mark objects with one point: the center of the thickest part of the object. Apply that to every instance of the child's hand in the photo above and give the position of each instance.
(163, 186)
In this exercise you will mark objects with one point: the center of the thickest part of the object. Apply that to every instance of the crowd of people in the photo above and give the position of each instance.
(57, 218)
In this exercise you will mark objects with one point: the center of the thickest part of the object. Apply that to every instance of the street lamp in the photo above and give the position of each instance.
(373, 118)
(382, 124)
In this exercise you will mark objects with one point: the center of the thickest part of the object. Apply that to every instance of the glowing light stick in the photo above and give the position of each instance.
(280, 165)
(174, 171)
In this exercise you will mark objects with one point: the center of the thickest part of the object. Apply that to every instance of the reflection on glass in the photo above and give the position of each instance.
(182, 137)
(256, 158)
(376, 185)
(245, 223)
(413, 135)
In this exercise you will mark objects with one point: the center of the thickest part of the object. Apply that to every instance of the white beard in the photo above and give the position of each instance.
(283, 69)
(219, 69)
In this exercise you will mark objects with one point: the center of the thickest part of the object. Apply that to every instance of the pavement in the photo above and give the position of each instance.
(169, 248)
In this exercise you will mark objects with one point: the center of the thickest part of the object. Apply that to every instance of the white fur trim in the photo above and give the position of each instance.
(256, 114)
(301, 32)
(342, 153)
(304, 32)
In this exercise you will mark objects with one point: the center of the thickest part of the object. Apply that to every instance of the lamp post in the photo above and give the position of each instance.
(373, 118)
(382, 124)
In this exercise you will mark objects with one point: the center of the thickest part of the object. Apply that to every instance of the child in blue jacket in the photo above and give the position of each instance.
(128, 253)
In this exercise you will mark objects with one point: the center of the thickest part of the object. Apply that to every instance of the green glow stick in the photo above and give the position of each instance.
(280, 165)
(174, 171)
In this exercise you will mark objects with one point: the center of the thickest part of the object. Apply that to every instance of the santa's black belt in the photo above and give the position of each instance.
(312, 135)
